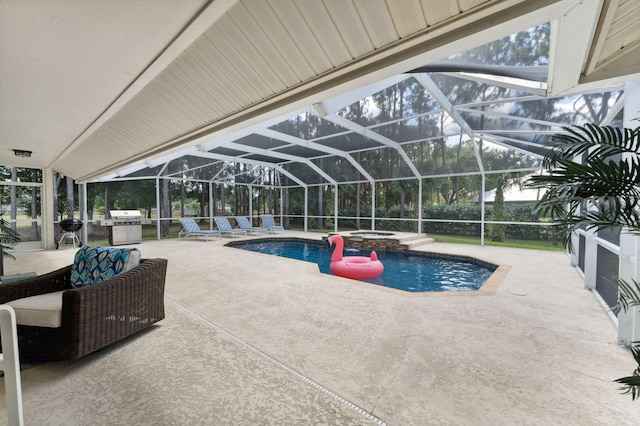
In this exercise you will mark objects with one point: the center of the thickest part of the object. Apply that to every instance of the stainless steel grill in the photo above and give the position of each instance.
(126, 227)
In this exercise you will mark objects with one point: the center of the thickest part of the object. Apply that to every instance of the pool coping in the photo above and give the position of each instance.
(489, 287)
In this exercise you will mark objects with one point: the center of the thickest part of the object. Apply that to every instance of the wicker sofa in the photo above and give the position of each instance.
(93, 316)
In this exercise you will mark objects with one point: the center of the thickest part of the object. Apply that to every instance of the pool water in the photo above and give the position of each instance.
(403, 270)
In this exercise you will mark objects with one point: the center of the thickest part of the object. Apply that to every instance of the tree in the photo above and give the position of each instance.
(497, 230)
(70, 198)
(601, 192)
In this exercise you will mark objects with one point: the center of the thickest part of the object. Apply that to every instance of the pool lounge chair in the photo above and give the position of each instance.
(191, 229)
(269, 223)
(245, 224)
(225, 227)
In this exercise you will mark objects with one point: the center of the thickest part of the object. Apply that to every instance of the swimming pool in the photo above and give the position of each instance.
(403, 270)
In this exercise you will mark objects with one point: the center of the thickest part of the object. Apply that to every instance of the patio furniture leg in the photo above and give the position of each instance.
(10, 364)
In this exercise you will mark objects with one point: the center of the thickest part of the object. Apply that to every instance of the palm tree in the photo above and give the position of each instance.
(602, 191)
(8, 240)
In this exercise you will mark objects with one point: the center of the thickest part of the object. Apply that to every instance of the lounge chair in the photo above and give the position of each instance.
(269, 223)
(191, 229)
(225, 227)
(245, 224)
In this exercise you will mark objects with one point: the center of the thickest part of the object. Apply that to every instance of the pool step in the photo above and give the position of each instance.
(411, 242)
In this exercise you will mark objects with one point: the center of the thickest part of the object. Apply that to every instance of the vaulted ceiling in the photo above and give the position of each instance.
(93, 87)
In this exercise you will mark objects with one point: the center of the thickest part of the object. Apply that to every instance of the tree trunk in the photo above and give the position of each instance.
(56, 185)
(35, 235)
(287, 219)
(182, 198)
(70, 198)
(14, 199)
(165, 225)
(497, 230)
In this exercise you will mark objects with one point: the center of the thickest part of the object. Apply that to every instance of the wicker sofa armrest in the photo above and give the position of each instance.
(46, 283)
(100, 314)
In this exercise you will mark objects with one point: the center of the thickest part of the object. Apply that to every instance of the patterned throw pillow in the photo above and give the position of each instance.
(93, 265)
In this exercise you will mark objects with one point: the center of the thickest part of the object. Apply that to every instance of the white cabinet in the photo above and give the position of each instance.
(125, 234)
(134, 233)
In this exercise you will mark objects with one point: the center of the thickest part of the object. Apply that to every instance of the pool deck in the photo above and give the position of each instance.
(256, 339)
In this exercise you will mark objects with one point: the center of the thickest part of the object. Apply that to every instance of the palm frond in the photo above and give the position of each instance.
(601, 191)
(594, 141)
(8, 238)
(632, 383)
(628, 295)
(631, 386)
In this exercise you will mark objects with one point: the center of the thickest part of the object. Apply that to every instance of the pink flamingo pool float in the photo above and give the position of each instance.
(355, 267)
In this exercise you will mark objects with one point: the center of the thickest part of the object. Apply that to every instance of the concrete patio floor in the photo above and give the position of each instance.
(256, 339)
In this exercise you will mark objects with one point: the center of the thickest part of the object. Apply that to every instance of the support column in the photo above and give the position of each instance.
(629, 266)
(629, 269)
(250, 189)
(373, 206)
(335, 208)
(158, 230)
(48, 215)
(477, 149)
(419, 206)
(82, 203)
(211, 205)
(590, 259)
(282, 203)
(306, 209)
(482, 209)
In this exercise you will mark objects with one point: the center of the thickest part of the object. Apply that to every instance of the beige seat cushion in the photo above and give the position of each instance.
(43, 310)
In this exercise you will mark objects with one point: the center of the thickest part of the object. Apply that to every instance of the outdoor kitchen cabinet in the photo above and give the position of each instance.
(125, 234)
(126, 227)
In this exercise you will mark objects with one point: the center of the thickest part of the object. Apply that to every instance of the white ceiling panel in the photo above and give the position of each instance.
(279, 36)
(237, 65)
(352, 31)
(615, 50)
(439, 11)
(301, 35)
(202, 89)
(377, 22)
(407, 16)
(466, 5)
(93, 86)
(250, 56)
(64, 62)
(325, 31)
(229, 95)
(269, 51)
(624, 28)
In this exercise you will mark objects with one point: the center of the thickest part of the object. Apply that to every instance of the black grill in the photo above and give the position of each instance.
(68, 229)
(71, 225)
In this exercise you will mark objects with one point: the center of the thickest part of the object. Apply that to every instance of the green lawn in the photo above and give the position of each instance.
(530, 244)
(149, 233)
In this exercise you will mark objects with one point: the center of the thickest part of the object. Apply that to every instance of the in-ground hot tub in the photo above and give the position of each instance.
(370, 234)
(372, 240)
